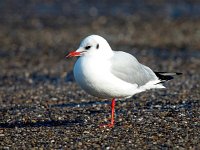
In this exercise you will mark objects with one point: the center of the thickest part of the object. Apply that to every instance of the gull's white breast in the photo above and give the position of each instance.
(93, 74)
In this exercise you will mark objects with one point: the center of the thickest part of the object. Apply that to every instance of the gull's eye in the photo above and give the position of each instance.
(97, 46)
(87, 47)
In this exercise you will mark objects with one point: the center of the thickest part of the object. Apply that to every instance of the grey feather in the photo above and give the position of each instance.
(126, 67)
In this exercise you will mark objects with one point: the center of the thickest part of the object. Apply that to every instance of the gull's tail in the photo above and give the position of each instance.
(165, 76)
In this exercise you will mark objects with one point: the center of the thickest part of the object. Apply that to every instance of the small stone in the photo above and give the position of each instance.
(54, 98)
(52, 141)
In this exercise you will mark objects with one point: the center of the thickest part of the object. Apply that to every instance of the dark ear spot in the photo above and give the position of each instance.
(97, 46)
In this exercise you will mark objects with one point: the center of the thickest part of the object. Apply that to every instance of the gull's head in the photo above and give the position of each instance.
(92, 45)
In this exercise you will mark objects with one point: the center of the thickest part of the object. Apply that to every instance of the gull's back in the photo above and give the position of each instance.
(126, 67)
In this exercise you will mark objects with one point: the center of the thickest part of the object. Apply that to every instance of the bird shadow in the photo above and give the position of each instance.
(48, 123)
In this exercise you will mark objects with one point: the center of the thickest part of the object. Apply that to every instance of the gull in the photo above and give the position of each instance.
(109, 74)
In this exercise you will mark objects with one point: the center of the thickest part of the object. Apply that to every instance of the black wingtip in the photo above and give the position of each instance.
(179, 73)
(165, 76)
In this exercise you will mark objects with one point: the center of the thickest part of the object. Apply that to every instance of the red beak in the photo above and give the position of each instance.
(73, 54)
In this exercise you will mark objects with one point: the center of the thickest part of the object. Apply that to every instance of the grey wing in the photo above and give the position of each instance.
(126, 67)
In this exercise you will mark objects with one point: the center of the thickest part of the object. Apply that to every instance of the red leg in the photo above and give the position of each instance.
(111, 124)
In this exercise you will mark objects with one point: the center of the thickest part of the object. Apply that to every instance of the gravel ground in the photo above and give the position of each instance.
(42, 107)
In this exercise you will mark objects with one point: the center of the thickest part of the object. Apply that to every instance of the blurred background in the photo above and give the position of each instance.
(41, 105)
(36, 35)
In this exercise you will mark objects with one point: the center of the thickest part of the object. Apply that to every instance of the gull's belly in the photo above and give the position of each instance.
(94, 76)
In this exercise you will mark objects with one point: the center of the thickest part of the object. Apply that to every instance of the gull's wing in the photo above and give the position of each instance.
(127, 68)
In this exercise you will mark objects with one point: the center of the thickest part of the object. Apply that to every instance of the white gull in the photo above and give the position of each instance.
(105, 73)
